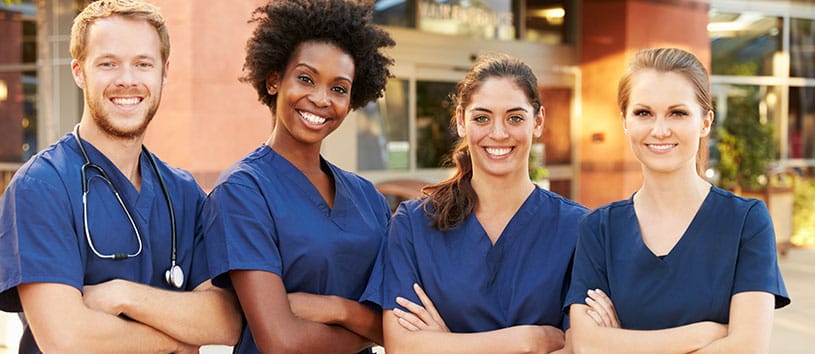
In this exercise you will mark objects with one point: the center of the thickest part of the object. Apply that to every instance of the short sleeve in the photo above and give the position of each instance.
(757, 264)
(38, 241)
(200, 268)
(400, 262)
(239, 232)
(589, 268)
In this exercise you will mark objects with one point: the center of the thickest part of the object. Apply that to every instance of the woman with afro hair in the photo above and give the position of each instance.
(295, 236)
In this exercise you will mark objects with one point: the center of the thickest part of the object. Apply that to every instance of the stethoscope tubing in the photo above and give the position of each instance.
(174, 275)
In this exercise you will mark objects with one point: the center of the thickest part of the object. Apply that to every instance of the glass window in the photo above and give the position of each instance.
(802, 48)
(492, 19)
(18, 81)
(744, 44)
(549, 21)
(802, 123)
(434, 138)
(397, 13)
(383, 139)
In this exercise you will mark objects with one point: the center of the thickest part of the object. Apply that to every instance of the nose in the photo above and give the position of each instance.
(319, 96)
(499, 130)
(126, 77)
(661, 129)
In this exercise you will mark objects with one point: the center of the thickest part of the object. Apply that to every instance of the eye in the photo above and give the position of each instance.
(481, 119)
(144, 65)
(340, 89)
(642, 113)
(305, 78)
(106, 65)
(517, 119)
(679, 113)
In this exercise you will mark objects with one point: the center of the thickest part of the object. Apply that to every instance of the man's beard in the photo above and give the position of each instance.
(102, 119)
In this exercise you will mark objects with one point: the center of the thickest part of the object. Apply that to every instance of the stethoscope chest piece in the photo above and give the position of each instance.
(174, 276)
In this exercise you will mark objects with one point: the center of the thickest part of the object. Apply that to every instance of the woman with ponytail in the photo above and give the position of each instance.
(481, 263)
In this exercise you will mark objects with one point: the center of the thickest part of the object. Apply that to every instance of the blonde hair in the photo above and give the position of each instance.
(133, 9)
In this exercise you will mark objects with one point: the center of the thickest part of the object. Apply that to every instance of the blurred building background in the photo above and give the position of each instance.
(758, 51)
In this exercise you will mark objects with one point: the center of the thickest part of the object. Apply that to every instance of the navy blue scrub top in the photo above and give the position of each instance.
(477, 286)
(728, 248)
(264, 214)
(42, 236)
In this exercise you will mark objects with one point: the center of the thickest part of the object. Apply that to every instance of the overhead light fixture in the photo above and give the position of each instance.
(3, 90)
(553, 15)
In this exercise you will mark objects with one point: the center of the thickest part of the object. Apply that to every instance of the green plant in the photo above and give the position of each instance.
(745, 144)
(803, 212)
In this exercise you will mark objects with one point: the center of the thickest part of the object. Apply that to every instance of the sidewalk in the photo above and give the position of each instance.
(794, 325)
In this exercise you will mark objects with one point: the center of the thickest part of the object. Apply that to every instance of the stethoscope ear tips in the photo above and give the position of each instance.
(174, 276)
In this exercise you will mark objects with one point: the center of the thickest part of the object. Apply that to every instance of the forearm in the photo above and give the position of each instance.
(588, 337)
(61, 322)
(517, 339)
(303, 336)
(354, 316)
(207, 315)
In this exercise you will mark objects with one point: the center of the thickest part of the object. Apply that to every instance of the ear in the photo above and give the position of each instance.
(76, 71)
(272, 83)
(622, 119)
(460, 122)
(539, 118)
(164, 74)
(707, 123)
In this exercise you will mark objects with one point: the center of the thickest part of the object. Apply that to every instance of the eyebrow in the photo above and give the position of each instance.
(674, 106)
(313, 69)
(481, 109)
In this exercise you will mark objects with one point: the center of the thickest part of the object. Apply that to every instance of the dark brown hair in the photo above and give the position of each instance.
(449, 202)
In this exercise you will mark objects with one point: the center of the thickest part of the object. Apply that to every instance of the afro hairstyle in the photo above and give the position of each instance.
(282, 25)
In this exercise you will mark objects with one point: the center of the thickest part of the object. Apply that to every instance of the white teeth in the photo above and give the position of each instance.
(126, 101)
(661, 146)
(311, 118)
(498, 151)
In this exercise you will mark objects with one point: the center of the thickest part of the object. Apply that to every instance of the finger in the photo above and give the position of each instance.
(428, 304)
(612, 309)
(594, 316)
(608, 307)
(415, 309)
(599, 310)
(409, 317)
(407, 325)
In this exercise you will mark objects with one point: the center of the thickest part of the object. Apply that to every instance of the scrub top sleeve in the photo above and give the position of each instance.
(373, 291)
(401, 269)
(589, 267)
(38, 241)
(757, 264)
(239, 232)
(199, 271)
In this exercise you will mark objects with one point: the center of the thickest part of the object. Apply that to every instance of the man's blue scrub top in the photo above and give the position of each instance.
(728, 248)
(42, 236)
(477, 286)
(264, 214)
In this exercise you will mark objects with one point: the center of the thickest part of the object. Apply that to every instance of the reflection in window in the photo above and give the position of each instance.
(435, 138)
(397, 13)
(548, 21)
(746, 105)
(802, 48)
(490, 19)
(745, 44)
(802, 123)
(383, 131)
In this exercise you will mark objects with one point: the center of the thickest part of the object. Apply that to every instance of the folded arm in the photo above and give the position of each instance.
(421, 329)
(62, 323)
(275, 327)
(206, 315)
(337, 310)
(751, 322)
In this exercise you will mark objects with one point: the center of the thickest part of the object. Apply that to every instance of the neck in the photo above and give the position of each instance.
(124, 153)
(500, 192)
(667, 192)
(305, 157)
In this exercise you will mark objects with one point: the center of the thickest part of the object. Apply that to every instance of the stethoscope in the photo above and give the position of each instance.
(174, 275)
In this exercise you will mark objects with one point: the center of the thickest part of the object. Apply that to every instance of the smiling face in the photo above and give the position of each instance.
(499, 124)
(664, 121)
(121, 76)
(313, 95)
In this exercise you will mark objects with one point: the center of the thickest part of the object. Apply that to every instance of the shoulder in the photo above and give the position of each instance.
(601, 215)
(353, 180)
(175, 176)
(248, 169)
(725, 201)
(565, 206)
(56, 165)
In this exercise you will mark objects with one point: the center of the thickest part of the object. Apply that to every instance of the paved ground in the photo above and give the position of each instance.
(793, 327)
